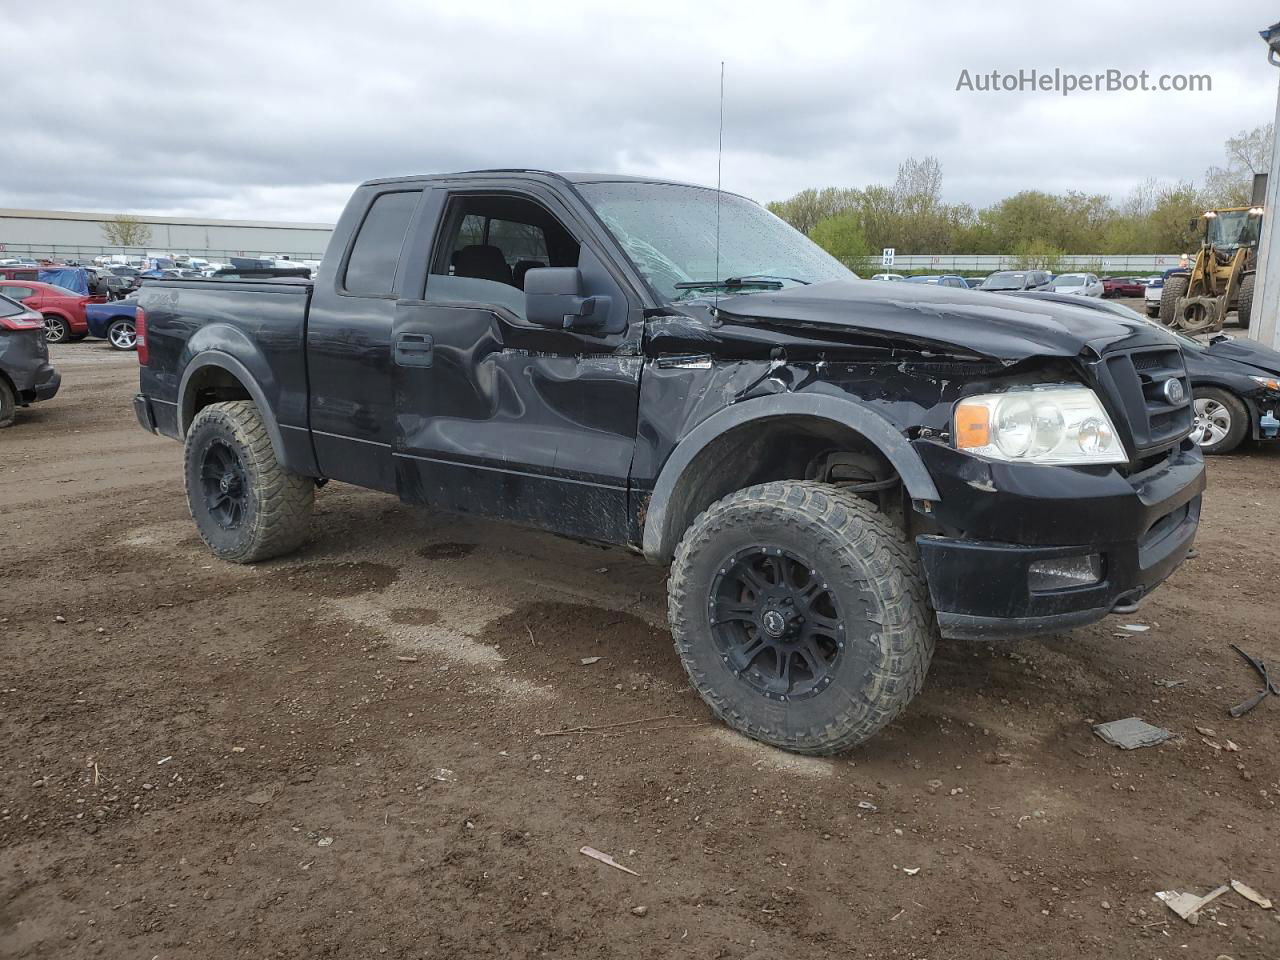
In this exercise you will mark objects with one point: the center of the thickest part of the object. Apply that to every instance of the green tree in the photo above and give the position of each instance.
(843, 238)
(808, 207)
(1169, 221)
(1038, 255)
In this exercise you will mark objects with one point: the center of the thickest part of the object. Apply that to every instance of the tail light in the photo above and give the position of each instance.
(140, 331)
(22, 321)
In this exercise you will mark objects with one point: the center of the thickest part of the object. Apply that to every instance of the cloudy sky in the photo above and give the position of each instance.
(273, 109)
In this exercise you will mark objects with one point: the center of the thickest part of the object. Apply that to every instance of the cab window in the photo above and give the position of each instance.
(487, 246)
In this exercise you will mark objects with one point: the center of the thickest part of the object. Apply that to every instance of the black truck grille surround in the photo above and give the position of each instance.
(1138, 382)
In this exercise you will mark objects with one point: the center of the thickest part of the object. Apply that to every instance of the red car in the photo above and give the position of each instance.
(1123, 287)
(63, 309)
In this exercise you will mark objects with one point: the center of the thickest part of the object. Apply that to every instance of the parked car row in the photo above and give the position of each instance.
(1008, 281)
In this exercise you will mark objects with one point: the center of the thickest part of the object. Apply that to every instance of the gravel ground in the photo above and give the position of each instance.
(374, 748)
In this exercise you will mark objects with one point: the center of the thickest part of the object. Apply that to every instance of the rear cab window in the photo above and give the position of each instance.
(371, 266)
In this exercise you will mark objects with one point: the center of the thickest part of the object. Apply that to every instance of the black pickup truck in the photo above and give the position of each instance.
(837, 471)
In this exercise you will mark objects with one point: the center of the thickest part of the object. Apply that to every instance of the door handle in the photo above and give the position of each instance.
(414, 349)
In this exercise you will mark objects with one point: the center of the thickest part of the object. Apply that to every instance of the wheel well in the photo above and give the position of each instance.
(795, 447)
(210, 384)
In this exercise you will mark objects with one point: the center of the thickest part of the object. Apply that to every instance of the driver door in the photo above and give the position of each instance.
(497, 416)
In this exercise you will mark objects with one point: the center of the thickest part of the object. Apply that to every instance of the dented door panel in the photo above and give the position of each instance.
(524, 424)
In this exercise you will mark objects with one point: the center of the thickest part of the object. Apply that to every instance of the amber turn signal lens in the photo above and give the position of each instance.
(973, 426)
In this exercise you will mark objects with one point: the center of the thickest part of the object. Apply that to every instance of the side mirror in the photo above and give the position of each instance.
(553, 298)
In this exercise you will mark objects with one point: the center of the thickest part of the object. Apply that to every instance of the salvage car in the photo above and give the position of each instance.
(1077, 285)
(1123, 287)
(114, 322)
(836, 471)
(1235, 383)
(26, 376)
(1006, 281)
(62, 309)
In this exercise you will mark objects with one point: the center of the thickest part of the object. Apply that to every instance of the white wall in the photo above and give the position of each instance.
(41, 231)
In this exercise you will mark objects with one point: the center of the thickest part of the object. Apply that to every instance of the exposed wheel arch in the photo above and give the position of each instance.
(214, 377)
(764, 439)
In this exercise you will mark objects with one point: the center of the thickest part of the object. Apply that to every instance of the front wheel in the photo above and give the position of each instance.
(122, 335)
(800, 615)
(246, 505)
(1221, 420)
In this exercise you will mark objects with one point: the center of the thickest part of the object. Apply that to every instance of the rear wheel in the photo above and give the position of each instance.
(1221, 420)
(800, 615)
(246, 505)
(56, 329)
(1174, 289)
(122, 335)
(8, 404)
(1245, 303)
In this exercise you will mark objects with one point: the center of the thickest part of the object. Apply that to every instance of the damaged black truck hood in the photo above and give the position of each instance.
(943, 319)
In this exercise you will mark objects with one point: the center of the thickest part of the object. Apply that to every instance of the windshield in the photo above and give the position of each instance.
(669, 231)
(1004, 281)
(1069, 280)
(1233, 228)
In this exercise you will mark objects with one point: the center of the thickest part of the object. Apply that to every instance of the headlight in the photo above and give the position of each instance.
(1059, 424)
(1268, 383)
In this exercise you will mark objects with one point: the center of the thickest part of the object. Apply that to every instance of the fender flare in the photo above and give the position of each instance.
(216, 358)
(878, 430)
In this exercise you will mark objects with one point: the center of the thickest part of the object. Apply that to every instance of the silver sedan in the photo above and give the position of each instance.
(1079, 284)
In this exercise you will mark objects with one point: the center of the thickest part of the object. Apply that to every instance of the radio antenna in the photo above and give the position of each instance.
(719, 159)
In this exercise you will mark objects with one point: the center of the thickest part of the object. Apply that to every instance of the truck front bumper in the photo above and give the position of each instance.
(1132, 530)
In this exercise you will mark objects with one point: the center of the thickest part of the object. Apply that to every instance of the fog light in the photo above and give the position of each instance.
(1062, 572)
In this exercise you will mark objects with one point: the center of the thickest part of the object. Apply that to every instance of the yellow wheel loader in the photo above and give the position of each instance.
(1198, 299)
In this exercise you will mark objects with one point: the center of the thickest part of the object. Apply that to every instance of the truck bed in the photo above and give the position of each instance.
(259, 325)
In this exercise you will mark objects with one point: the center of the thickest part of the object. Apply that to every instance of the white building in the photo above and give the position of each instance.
(61, 234)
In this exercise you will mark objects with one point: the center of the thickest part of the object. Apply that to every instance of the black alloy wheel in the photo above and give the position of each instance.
(225, 486)
(776, 623)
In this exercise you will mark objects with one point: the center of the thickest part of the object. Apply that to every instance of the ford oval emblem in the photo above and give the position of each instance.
(1173, 392)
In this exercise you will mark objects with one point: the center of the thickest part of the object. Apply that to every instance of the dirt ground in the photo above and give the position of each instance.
(353, 752)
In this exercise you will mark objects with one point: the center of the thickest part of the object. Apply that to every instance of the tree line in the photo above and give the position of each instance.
(1033, 226)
